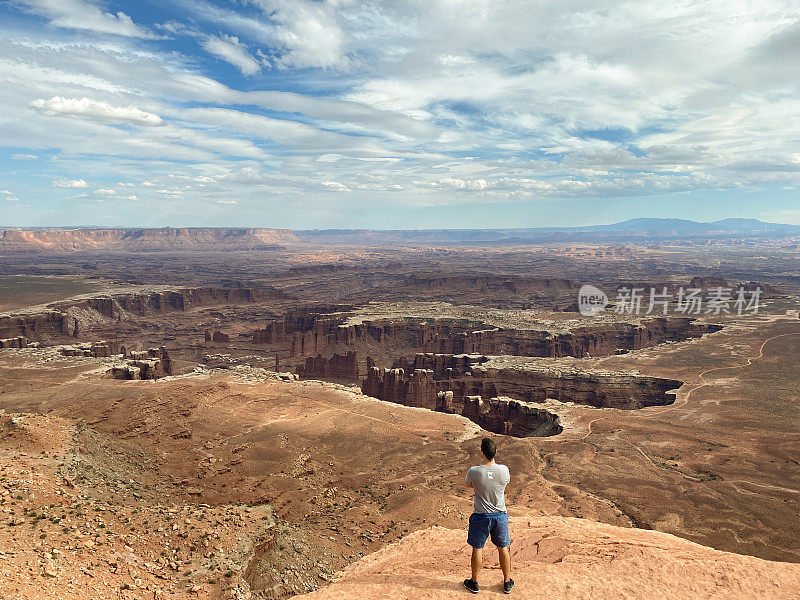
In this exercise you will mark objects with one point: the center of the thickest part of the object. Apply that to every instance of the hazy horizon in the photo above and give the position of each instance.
(636, 223)
(310, 114)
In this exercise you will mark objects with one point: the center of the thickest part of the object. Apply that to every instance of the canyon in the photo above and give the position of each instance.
(500, 400)
(337, 393)
(443, 336)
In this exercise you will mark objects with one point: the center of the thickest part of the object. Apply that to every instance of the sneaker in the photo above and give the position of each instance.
(507, 586)
(472, 586)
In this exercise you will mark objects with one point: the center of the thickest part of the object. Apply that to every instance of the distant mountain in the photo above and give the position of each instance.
(681, 225)
(199, 239)
(143, 240)
(633, 230)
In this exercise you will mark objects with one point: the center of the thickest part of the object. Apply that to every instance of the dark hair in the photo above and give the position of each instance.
(489, 448)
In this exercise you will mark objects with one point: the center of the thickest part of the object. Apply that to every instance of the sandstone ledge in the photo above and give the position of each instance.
(565, 558)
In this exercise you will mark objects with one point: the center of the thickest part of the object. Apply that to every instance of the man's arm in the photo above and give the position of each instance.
(468, 480)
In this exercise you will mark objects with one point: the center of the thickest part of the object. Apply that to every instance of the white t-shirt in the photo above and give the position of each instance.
(489, 484)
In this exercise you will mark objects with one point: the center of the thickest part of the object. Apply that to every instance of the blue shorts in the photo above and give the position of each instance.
(482, 525)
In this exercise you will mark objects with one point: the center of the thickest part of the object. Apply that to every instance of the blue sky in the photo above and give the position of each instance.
(397, 114)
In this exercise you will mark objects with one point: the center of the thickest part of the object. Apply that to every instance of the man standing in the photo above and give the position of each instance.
(489, 517)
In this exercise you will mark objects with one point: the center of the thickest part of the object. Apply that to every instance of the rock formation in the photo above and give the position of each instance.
(565, 557)
(705, 283)
(337, 367)
(453, 337)
(421, 390)
(537, 383)
(127, 240)
(529, 383)
(76, 317)
(15, 342)
(93, 349)
(457, 383)
(444, 402)
(500, 415)
(220, 338)
(273, 333)
(38, 326)
(507, 416)
(143, 304)
(304, 325)
(153, 363)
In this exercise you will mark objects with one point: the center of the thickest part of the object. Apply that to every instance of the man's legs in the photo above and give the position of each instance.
(505, 563)
(477, 562)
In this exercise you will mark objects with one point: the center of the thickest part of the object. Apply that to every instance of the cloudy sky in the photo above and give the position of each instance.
(397, 113)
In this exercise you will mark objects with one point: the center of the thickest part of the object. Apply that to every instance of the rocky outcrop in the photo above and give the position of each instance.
(385, 384)
(456, 381)
(444, 402)
(419, 389)
(307, 327)
(143, 304)
(15, 342)
(507, 416)
(478, 283)
(565, 557)
(444, 366)
(393, 385)
(273, 333)
(153, 363)
(707, 282)
(50, 324)
(93, 349)
(453, 337)
(594, 388)
(337, 367)
(220, 338)
(75, 317)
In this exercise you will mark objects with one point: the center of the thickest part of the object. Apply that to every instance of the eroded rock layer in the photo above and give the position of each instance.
(458, 384)
(176, 300)
(71, 318)
(453, 337)
(47, 324)
(167, 238)
(338, 367)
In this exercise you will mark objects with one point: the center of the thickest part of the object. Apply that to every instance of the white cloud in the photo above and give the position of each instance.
(24, 157)
(5, 192)
(95, 110)
(441, 102)
(335, 186)
(169, 192)
(69, 183)
(307, 33)
(12, 199)
(229, 49)
(83, 15)
(105, 192)
(227, 202)
(463, 184)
